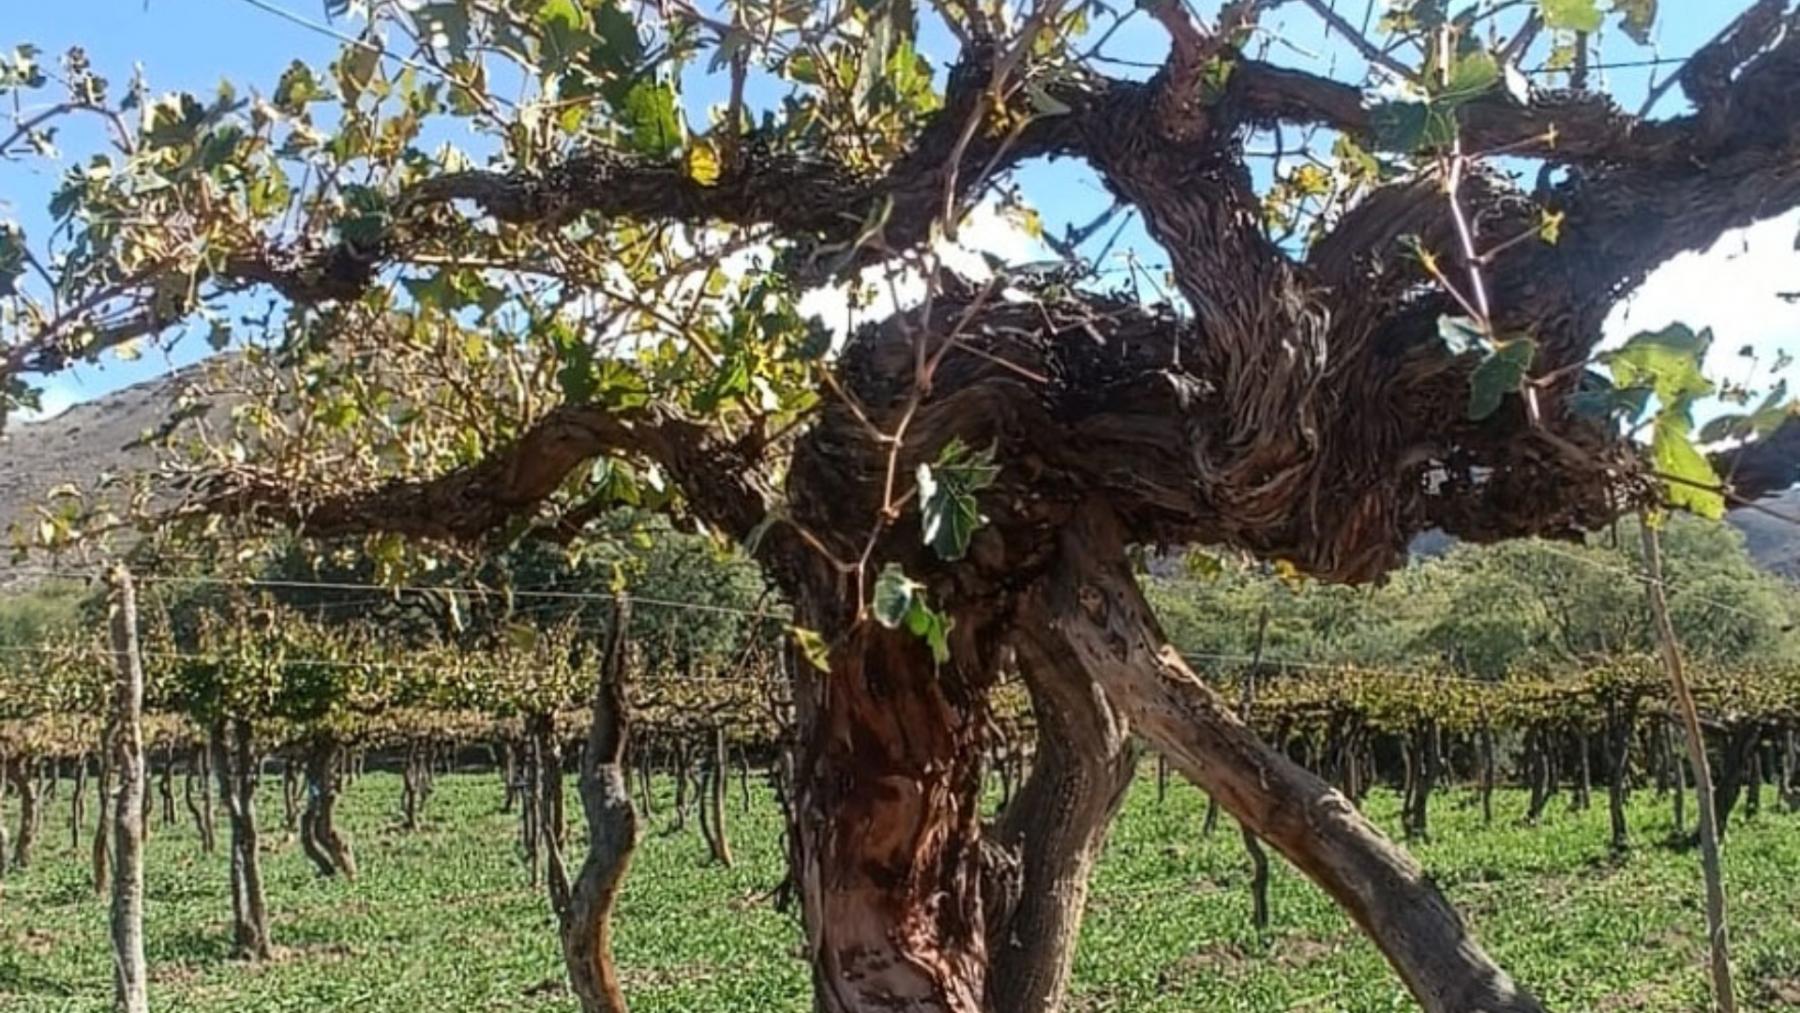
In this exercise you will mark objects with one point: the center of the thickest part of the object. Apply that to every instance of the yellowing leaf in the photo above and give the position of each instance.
(1550, 226)
(703, 163)
(1289, 574)
(812, 647)
(1032, 224)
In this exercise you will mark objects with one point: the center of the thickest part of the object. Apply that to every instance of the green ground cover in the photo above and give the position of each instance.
(443, 919)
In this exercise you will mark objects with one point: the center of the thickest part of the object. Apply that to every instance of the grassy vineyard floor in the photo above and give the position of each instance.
(443, 919)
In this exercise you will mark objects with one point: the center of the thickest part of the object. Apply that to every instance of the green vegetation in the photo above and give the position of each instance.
(1528, 606)
(445, 912)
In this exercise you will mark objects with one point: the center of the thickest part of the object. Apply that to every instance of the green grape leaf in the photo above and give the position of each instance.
(1666, 361)
(652, 122)
(1773, 411)
(444, 25)
(900, 602)
(1572, 15)
(1692, 483)
(1471, 76)
(296, 89)
(894, 594)
(1204, 565)
(932, 627)
(365, 215)
(566, 14)
(1598, 398)
(1500, 374)
(1412, 126)
(357, 68)
(949, 513)
(12, 257)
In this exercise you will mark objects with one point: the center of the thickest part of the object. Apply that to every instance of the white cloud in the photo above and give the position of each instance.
(986, 230)
(1733, 289)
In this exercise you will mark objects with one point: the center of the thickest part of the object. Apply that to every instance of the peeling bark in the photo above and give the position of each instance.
(886, 811)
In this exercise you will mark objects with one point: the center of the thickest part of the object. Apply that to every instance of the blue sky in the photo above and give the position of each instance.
(193, 44)
(183, 45)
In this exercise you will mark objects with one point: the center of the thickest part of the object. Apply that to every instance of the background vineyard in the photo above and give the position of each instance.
(1482, 695)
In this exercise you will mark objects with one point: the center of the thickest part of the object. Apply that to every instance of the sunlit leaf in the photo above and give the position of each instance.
(894, 596)
(949, 513)
(1691, 483)
(1573, 15)
(1667, 362)
(1460, 334)
(703, 163)
(652, 121)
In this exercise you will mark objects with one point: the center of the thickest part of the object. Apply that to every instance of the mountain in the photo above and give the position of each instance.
(99, 435)
(1773, 537)
(79, 444)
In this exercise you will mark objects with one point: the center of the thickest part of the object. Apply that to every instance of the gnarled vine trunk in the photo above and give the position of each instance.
(1621, 717)
(320, 837)
(1056, 824)
(196, 790)
(5, 784)
(415, 783)
(1306, 411)
(101, 850)
(551, 831)
(586, 918)
(1111, 629)
(712, 803)
(77, 799)
(886, 814)
(25, 781)
(235, 765)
